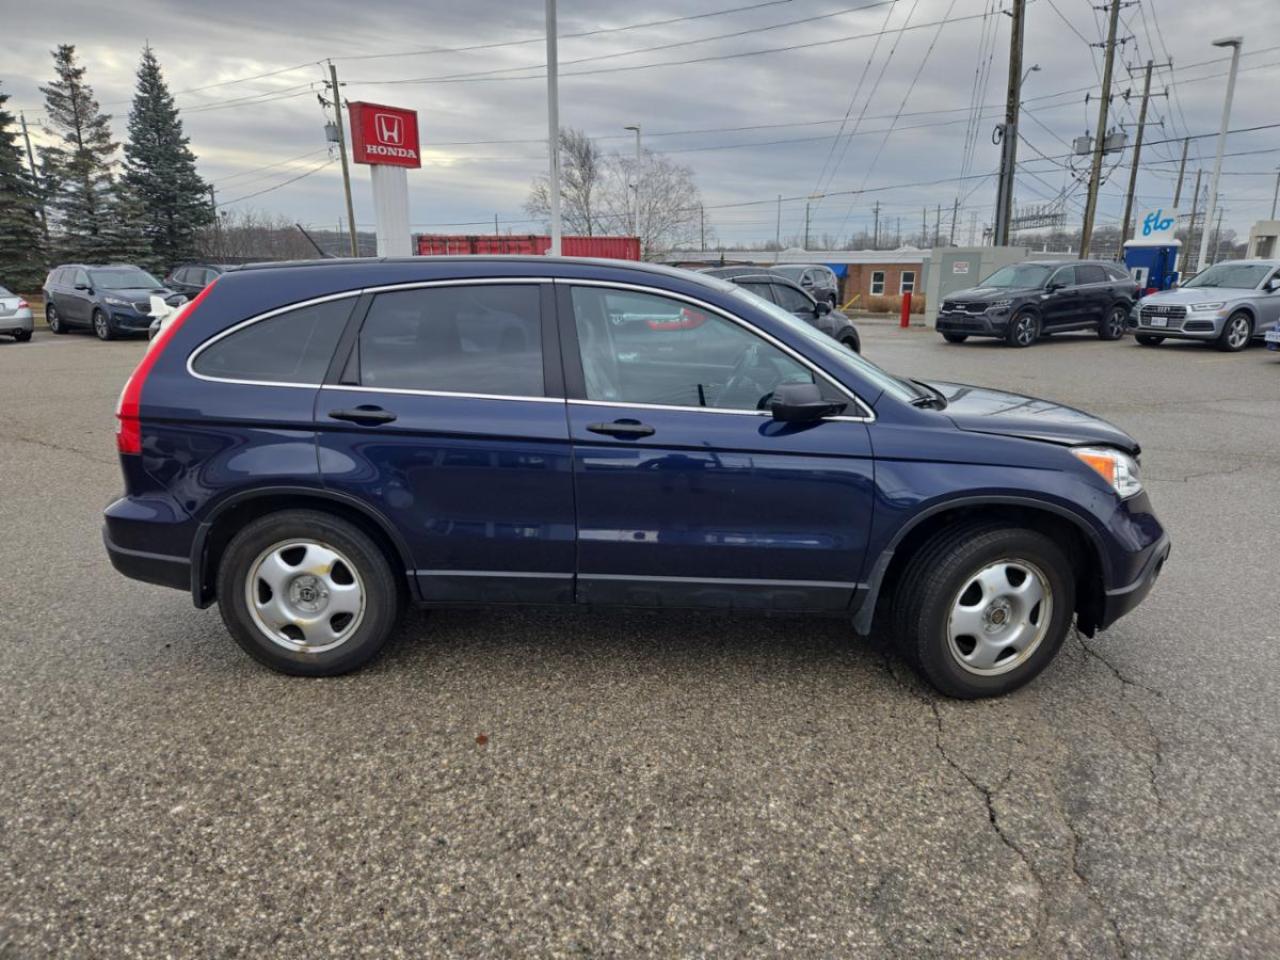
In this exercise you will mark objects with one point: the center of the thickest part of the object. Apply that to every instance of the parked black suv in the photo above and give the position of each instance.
(1023, 301)
(795, 300)
(191, 278)
(110, 299)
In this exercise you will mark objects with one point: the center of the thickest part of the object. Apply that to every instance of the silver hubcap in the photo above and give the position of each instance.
(101, 324)
(999, 617)
(1025, 330)
(1239, 332)
(305, 596)
(1117, 322)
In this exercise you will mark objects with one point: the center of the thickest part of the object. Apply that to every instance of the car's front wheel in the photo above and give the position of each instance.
(1236, 332)
(1024, 330)
(1113, 324)
(955, 337)
(307, 593)
(981, 609)
(102, 326)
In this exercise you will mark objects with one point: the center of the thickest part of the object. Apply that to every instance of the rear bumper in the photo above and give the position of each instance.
(158, 568)
(149, 539)
(1120, 600)
(17, 322)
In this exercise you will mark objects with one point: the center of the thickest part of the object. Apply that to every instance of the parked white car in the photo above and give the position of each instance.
(15, 316)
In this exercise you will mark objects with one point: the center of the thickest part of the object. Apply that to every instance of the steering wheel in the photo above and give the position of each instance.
(746, 376)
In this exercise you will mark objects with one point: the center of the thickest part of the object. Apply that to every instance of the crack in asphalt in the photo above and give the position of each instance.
(1186, 478)
(1115, 671)
(56, 446)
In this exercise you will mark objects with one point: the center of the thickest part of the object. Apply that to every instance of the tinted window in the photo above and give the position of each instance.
(80, 277)
(677, 356)
(464, 339)
(293, 347)
(1117, 274)
(1090, 273)
(1019, 275)
(789, 298)
(1065, 277)
(759, 289)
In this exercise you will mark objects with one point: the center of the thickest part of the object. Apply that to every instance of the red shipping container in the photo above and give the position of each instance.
(448, 244)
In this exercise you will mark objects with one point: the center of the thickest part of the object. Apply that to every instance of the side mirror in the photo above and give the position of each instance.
(801, 403)
(823, 308)
(1273, 285)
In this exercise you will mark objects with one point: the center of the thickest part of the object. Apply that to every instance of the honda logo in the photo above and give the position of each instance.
(389, 128)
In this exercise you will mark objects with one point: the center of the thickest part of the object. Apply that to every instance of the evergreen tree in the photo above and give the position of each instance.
(21, 236)
(161, 169)
(77, 174)
(124, 229)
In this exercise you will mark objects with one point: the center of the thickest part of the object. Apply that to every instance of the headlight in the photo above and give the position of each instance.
(1218, 305)
(118, 301)
(1000, 305)
(1117, 468)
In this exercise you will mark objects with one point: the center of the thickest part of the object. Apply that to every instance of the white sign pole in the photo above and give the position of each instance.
(391, 210)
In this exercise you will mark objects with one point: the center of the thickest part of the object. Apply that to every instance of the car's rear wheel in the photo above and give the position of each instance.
(850, 341)
(955, 337)
(1148, 340)
(307, 593)
(1024, 330)
(22, 336)
(980, 610)
(102, 326)
(1113, 324)
(1236, 332)
(54, 319)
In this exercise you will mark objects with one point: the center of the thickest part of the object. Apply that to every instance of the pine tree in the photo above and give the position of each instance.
(161, 169)
(124, 229)
(77, 174)
(21, 237)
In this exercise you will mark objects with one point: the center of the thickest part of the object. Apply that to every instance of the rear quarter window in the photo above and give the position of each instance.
(291, 347)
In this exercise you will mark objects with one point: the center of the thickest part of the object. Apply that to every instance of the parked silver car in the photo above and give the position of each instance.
(1230, 303)
(15, 316)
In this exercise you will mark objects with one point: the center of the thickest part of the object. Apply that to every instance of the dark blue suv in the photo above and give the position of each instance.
(314, 445)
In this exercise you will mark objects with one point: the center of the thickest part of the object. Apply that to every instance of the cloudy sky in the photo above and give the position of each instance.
(914, 86)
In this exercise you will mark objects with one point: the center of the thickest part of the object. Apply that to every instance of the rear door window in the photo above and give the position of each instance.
(293, 347)
(759, 289)
(474, 339)
(1090, 273)
(789, 298)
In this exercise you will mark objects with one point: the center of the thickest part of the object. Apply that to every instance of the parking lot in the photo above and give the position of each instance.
(574, 783)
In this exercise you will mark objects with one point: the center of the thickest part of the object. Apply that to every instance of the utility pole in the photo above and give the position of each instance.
(1182, 169)
(897, 235)
(1191, 227)
(702, 228)
(937, 227)
(924, 226)
(1217, 237)
(955, 213)
(35, 177)
(875, 237)
(777, 229)
(973, 227)
(1137, 156)
(1009, 140)
(495, 225)
(217, 225)
(553, 126)
(1275, 194)
(806, 224)
(342, 150)
(1235, 43)
(1095, 172)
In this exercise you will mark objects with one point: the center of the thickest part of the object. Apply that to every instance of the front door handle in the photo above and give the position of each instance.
(628, 429)
(363, 414)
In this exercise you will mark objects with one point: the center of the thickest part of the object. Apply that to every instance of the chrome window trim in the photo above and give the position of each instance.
(764, 414)
(300, 305)
(461, 282)
(746, 325)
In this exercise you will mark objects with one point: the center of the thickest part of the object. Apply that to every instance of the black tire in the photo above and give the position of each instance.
(370, 570)
(1148, 339)
(1114, 323)
(1024, 330)
(102, 328)
(932, 583)
(851, 341)
(22, 336)
(54, 319)
(1236, 334)
(955, 337)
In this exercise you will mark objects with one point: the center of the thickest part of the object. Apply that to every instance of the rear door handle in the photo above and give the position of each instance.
(363, 414)
(629, 429)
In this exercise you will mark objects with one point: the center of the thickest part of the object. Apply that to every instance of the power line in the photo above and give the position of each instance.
(270, 166)
(285, 183)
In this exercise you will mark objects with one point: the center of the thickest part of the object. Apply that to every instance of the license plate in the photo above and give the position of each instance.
(1157, 321)
(1272, 336)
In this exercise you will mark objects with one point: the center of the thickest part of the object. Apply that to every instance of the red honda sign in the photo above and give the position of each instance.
(385, 135)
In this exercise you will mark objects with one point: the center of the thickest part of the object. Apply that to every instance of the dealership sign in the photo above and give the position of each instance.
(384, 135)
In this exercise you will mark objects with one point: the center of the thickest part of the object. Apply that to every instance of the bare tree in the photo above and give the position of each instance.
(670, 203)
(581, 169)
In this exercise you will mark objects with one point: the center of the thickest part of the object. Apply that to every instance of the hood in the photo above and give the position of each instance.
(980, 410)
(1187, 295)
(989, 293)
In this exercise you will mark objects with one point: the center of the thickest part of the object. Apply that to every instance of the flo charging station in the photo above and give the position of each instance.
(386, 139)
(1151, 257)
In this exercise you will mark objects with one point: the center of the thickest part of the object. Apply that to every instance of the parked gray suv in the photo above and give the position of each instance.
(818, 281)
(1230, 304)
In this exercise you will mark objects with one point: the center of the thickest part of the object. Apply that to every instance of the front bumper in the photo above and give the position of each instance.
(988, 324)
(17, 322)
(1190, 327)
(125, 320)
(1121, 600)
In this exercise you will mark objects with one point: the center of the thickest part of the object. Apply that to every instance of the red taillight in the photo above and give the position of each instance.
(128, 410)
(22, 304)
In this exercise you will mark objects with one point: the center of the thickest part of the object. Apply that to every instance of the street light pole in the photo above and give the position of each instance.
(1235, 43)
(635, 218)
(553, 127)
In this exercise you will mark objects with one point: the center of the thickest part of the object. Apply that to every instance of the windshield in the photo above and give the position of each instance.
(1239, 276)
(904, 390)
(1018, 275)
(122, 278)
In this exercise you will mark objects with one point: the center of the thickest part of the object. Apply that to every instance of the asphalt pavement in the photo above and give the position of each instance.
(567, 783)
